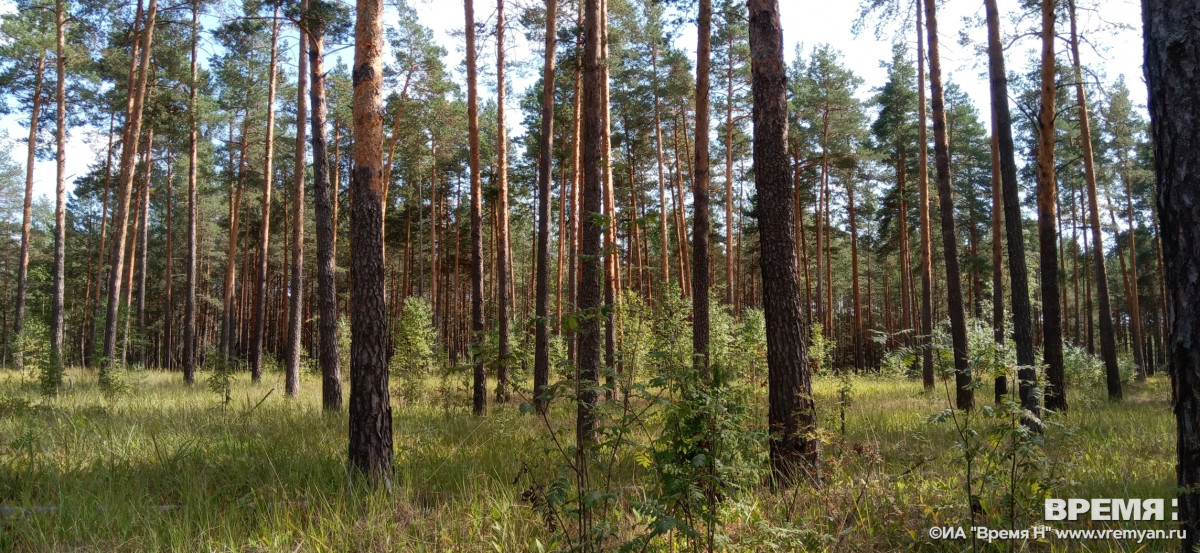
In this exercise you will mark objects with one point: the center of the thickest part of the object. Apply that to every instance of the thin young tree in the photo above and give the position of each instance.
(792, 412)
(964, 393)
(541, 346)
(370, 451)
(1172, 52)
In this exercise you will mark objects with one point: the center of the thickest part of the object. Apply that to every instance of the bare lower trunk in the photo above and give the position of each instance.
(370, 436)
(479, 377)
(502, 242)
(965, 394)
(1172, 53)
(260, 296)
(1019, 280)
(1047, 203)
(296, 287)
(926, 332)
(125, 185)
(541, 352)
(792, 412)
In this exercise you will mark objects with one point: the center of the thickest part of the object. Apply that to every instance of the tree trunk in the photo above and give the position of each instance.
(296, 287)
(700, 224)
(128, 163)
(541, 351)
(965, 394)
(189, 310)
(1001, 385)
(590, 263)
(142, 248)
(1018, 276)
(730, 289)
(370, 452)
(856, 317)
(479, 376)
(502, 264)
(60, 194)
(1172, 53)
(1047, 204)
(926, 333)
(792, 412)
(665, 250)
(27, 217)
(260, 297)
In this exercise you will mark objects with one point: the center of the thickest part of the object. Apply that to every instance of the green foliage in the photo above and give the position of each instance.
(33, 345)
(223, 370)
(414, 338)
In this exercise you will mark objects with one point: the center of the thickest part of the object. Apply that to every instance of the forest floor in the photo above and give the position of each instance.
(160, 467)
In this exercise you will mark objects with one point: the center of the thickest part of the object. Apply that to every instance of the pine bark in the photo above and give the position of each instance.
(964, 393)
(189, 309)
(260, 296)
(1172, 65)
(370, 436)
(125, 185)
(541, 348)
(503, 306)
(27, 216)
(792, 413)
(479, 376)
(296, 286)
(590, 251)
(1047, 206)
(1018, 275)
(926, 315)
(60, 192)
(324, 197)
(1001, 383)
(700, 178)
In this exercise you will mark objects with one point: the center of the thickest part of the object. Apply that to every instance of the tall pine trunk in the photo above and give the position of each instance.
(1047, 206)
(324, 196)
(502, 241)
(137, 92)
(1172, 50)
(589, 260)
(296, 287)
(60, 193)
(1018, 276)
(479, 376)
(700, 177)
(27, 216)
(189, 310)
(792, 412)
(370, 436)
(260, 296)
(541, 349)
(926, 315)
(964, 394)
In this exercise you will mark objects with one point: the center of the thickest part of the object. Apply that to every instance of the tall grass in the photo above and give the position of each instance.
(162, 467)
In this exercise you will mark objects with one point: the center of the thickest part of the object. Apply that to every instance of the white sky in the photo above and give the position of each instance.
(808, 22)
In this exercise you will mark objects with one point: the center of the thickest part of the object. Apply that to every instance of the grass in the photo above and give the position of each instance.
(165, 468)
